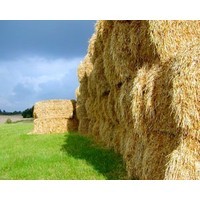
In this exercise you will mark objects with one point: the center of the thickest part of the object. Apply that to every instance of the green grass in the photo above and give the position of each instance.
(69, 156)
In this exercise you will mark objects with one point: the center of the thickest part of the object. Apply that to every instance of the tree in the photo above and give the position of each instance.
(28, 113)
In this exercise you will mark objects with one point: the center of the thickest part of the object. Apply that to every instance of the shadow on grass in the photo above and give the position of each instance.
(105, 161)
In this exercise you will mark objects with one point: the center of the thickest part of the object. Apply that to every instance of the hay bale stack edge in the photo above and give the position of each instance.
(139, 93)
(55, 116)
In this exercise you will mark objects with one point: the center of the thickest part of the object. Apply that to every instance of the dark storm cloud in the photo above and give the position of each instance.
(66, 39)
(26, 81)
(39, 60)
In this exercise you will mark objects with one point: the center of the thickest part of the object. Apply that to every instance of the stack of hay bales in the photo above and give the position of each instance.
(82, 95)
(55, 116)
(140, 94)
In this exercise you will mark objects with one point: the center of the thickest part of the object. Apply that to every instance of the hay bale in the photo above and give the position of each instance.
(139, 93)
(50, 125)
(51, 108)
(55, 116)
(83, 126)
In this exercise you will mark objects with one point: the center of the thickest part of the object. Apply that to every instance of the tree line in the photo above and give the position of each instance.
(28, 113)
(3, 112)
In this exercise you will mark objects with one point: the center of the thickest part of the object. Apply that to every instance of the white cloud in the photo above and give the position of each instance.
(25, 80)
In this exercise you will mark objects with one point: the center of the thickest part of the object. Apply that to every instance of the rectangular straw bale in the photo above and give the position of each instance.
(80, 111)
(84, 69)
(50, 125)
(83, 126)
(141, 95)
(184, 161)
(55, 116)
(51, 108)
(106, 132)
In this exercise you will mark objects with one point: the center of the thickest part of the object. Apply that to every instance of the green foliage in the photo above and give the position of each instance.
(54, 157)
(8, 121)
(28, 113)
(9, 113)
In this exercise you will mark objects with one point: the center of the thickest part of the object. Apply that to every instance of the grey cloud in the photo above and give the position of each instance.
(35, 79)
(61, 89)
(39, 60)
(49, 38)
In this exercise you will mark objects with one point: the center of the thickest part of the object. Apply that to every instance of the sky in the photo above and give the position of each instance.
(39, 60)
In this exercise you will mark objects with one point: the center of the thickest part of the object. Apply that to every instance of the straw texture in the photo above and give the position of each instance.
(55, 116)
(139, 94)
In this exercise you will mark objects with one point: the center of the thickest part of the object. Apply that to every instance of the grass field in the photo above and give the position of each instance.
(67, 156)
(14, 118)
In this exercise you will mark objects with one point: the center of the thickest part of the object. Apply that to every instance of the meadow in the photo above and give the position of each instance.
(68, 156)
(14, 118)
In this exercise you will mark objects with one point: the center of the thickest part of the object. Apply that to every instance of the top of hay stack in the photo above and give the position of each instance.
(54, 108)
